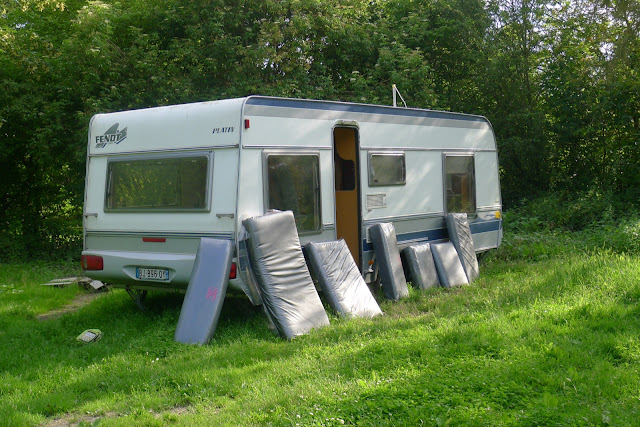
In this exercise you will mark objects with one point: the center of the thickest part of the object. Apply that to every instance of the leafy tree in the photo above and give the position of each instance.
(559, 81)
(450, 36)
(590, 86)
(511, 97)
(40, 179)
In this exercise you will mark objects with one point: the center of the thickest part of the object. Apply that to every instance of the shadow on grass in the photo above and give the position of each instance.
(555, 348)
(521, 349)
(136, 352)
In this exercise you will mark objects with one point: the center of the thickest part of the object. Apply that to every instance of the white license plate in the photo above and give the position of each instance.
(152, 274)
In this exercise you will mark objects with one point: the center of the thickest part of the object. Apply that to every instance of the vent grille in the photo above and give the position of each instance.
(376, 201)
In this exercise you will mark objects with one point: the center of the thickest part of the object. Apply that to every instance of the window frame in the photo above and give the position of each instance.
(265, 182)
(209, 155)
(446, 155)
(370, 169)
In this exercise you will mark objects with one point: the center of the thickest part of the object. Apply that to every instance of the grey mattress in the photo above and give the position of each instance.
(340, 280)
(288, 294)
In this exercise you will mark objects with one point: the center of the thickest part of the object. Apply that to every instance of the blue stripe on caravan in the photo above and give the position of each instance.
(429, 235)
(361, 108)
(425, 235)
(440, 233)
(485, 226)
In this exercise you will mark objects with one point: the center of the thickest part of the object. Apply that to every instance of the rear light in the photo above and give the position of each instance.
(154, 239)
(92, 262)
(234, 271)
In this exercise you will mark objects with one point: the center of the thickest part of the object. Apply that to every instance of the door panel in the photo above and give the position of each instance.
(347, 188)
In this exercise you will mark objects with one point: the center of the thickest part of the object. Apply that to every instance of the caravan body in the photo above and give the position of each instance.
(159, 179)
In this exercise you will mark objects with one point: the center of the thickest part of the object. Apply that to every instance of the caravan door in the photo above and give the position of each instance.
(347, 188)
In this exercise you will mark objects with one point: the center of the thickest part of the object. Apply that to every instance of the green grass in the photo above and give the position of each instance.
(542, 338)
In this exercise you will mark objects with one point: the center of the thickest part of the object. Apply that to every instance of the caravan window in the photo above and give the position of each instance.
(158, 183)
(386, 169)
(293, 184)
(460, 183)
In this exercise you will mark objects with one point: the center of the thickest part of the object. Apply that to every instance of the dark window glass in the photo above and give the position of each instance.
(460, 184)
(386, 169)
(294, 185)
(159, 183)
(345, 173)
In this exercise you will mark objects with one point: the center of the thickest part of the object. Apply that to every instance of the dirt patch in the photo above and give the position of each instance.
(74, 420)
(79, 301)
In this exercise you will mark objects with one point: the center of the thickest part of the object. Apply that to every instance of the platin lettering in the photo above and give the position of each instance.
(223, 130)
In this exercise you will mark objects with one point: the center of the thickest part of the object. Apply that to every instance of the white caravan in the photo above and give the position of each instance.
(159, 179)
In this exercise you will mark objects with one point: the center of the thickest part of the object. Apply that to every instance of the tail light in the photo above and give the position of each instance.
(234, 271)
(154, 239)
(92, 262)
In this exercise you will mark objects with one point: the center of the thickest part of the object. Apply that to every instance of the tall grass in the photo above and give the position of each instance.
(559, 223)
(544, 337)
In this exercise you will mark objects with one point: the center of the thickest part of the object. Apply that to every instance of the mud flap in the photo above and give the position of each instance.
(206, 291)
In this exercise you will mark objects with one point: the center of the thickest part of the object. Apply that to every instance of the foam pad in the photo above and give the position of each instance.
(460, 236)
(385, 246)
(206, 291)
(422, 269)
(288, 294)
(340, 279)
(448, 265)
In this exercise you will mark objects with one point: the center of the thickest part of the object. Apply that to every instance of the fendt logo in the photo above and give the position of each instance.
(111, 136)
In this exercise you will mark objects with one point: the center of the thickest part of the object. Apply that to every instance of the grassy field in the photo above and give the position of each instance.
(546, 336)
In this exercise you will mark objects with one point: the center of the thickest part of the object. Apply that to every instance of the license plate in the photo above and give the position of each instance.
(152, 274)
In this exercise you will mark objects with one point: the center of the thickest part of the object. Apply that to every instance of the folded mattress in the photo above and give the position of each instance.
(340, 280)
(448, 265)
(206, 291)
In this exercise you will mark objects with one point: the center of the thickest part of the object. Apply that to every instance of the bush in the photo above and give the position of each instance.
(556, 224)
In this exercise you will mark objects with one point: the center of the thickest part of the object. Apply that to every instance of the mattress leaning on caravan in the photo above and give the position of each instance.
(340, 279)
(450, 270)
(288, 294)
(206, 291)
(421, 266)
(385, 246)
(460, 236)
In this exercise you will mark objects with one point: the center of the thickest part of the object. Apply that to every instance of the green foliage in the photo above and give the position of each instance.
(556, 225)
(557, 80)
(570, 212)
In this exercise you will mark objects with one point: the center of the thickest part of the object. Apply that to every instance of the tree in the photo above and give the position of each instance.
(450, 37)
(39, 183)
(590, 86)
(511, 89)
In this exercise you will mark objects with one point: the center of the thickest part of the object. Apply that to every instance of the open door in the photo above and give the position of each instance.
(345, 158)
